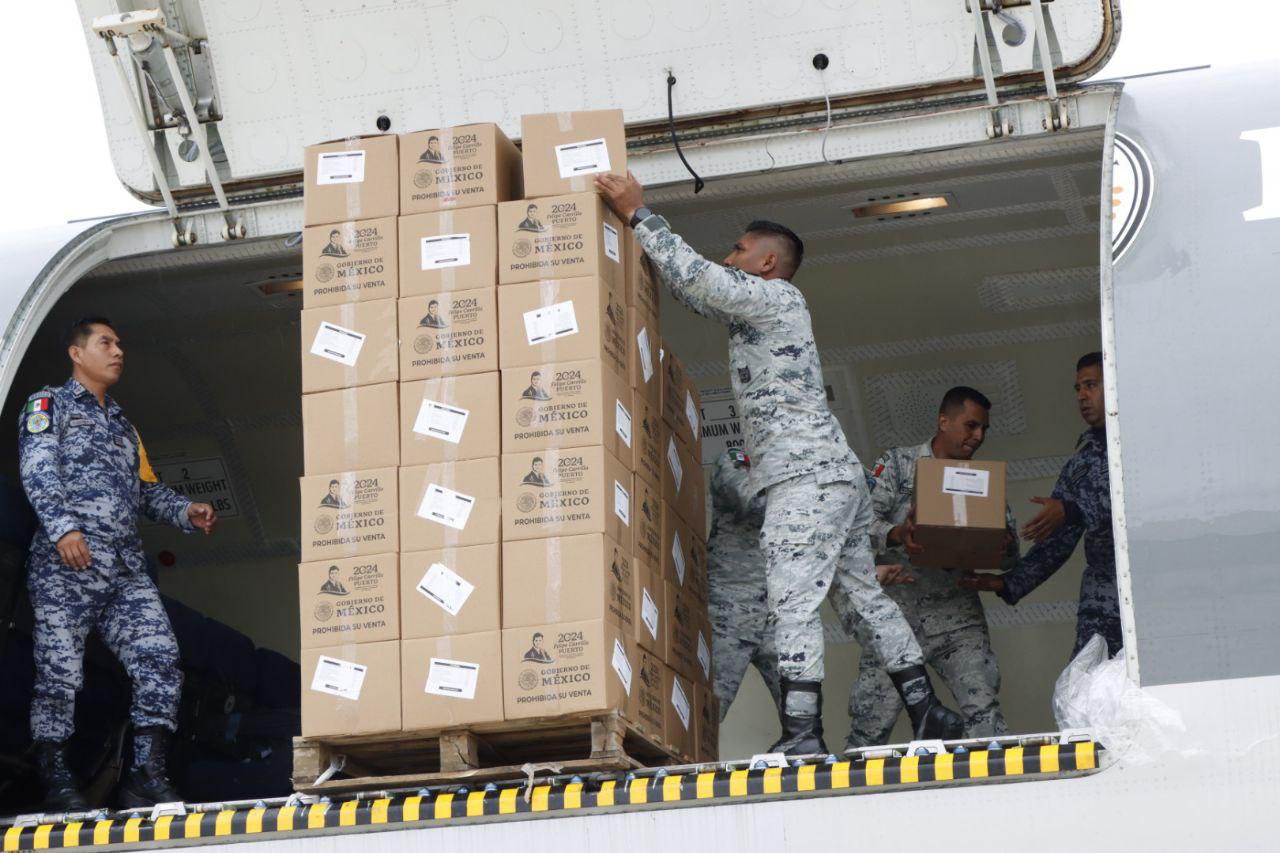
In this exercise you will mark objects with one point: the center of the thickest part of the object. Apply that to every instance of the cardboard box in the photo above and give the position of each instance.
(681, 403)
(682, 484)
(565, 668)
(642, 339)
(679, 698)
(450, 591)
(465, 166)
(351, 689)
(960, 513)
(567, 579)
(449, 418)
(449, 334)
(646, 521)
(646, 440)
(350, 429)
(349, 262)
(707, 714)
(641, 281)
(569, 236)
(563, 152)
(567, 404)
(565, 492)
(696, 580)
(353, 178)
(348, 345)
(647, 708)
(451, 681)
(650, 608)
(448, 250)
(449, 504)
(684, 554)
(349, 514)
(356, 600)
(569, 320)
(682, 624)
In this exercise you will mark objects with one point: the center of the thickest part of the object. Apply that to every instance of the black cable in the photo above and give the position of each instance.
(698, 183)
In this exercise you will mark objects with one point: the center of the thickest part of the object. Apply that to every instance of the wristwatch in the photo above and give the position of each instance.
(642, 213)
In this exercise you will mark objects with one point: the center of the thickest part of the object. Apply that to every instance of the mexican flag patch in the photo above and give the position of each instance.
(39, 404)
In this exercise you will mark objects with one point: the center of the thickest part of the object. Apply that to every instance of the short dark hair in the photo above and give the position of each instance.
(1091, 359)
(435, 302)
(81, 329)
(537, 373)
(333, 482)
(537, 634)
(959, 395)
(335, 231)
(530, 207)
(536, 460)
(431, 139)
(795, 256)
(332, 569)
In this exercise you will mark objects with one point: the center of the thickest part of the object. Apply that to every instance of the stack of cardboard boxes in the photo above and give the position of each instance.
(501, 519)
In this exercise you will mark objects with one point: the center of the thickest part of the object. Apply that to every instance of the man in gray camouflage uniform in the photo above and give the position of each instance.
(948, 621)
(86, 474)
(818, 508)
(1080, 506)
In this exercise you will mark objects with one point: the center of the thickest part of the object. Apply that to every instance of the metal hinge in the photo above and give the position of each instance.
(1055, 117)
(149, 44)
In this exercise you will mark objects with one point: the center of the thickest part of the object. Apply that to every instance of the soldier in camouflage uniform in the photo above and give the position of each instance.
(86, 474)
(737, 596)
(818, 508)
(948, 621)
(1080, 506)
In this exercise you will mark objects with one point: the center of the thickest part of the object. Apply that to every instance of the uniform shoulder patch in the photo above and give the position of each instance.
(739, 457)
(37, 422)
(878, 471)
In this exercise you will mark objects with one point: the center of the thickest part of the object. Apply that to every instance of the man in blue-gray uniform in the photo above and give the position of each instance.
(818, 509)
(87, 476)
(1080, 506)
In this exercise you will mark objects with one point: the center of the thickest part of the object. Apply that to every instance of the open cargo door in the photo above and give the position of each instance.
(264, 79)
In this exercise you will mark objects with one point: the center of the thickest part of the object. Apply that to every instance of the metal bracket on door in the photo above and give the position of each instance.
(1056, 116)
(148, 40)
(997, 125)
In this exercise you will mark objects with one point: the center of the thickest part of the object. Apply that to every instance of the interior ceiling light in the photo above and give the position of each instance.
(275, 286)
(901, 206)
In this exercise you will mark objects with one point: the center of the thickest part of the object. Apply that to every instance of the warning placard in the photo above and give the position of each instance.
(201, 480)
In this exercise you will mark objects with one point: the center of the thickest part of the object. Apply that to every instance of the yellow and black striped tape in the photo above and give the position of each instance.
(848, 776)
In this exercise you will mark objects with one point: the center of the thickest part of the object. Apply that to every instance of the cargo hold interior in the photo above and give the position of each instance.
(998, 290)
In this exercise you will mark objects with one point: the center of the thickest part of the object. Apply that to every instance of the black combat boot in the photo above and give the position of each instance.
(61, 793)
(148, 782)
(930, 719)
(801, 718)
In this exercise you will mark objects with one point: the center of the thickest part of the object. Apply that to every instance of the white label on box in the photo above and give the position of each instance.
(337, 344)
(446, 250)
(673, 459)
(646, 356)
(621, 665)
(445, 506)
(691, 412)
(622, 422)
(340, 167)
(436, 420)
(677, 555)
(622, 503)
(582, 158)
(973, 482)
(453, 678)
(446, 588)
(611, 243)
(338, 678)
(704, 655)
(550, 322)
(681, 702)
(649, 613)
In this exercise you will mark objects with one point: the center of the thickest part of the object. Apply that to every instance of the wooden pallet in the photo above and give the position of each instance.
(488, 753)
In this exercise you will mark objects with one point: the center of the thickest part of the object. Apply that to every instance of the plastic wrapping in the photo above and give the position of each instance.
(1094, 692)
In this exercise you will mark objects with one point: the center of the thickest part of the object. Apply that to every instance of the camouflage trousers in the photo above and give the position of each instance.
(1099, 609)
(738, 636)
(115, 596)
(816, 544)
(966, 664)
